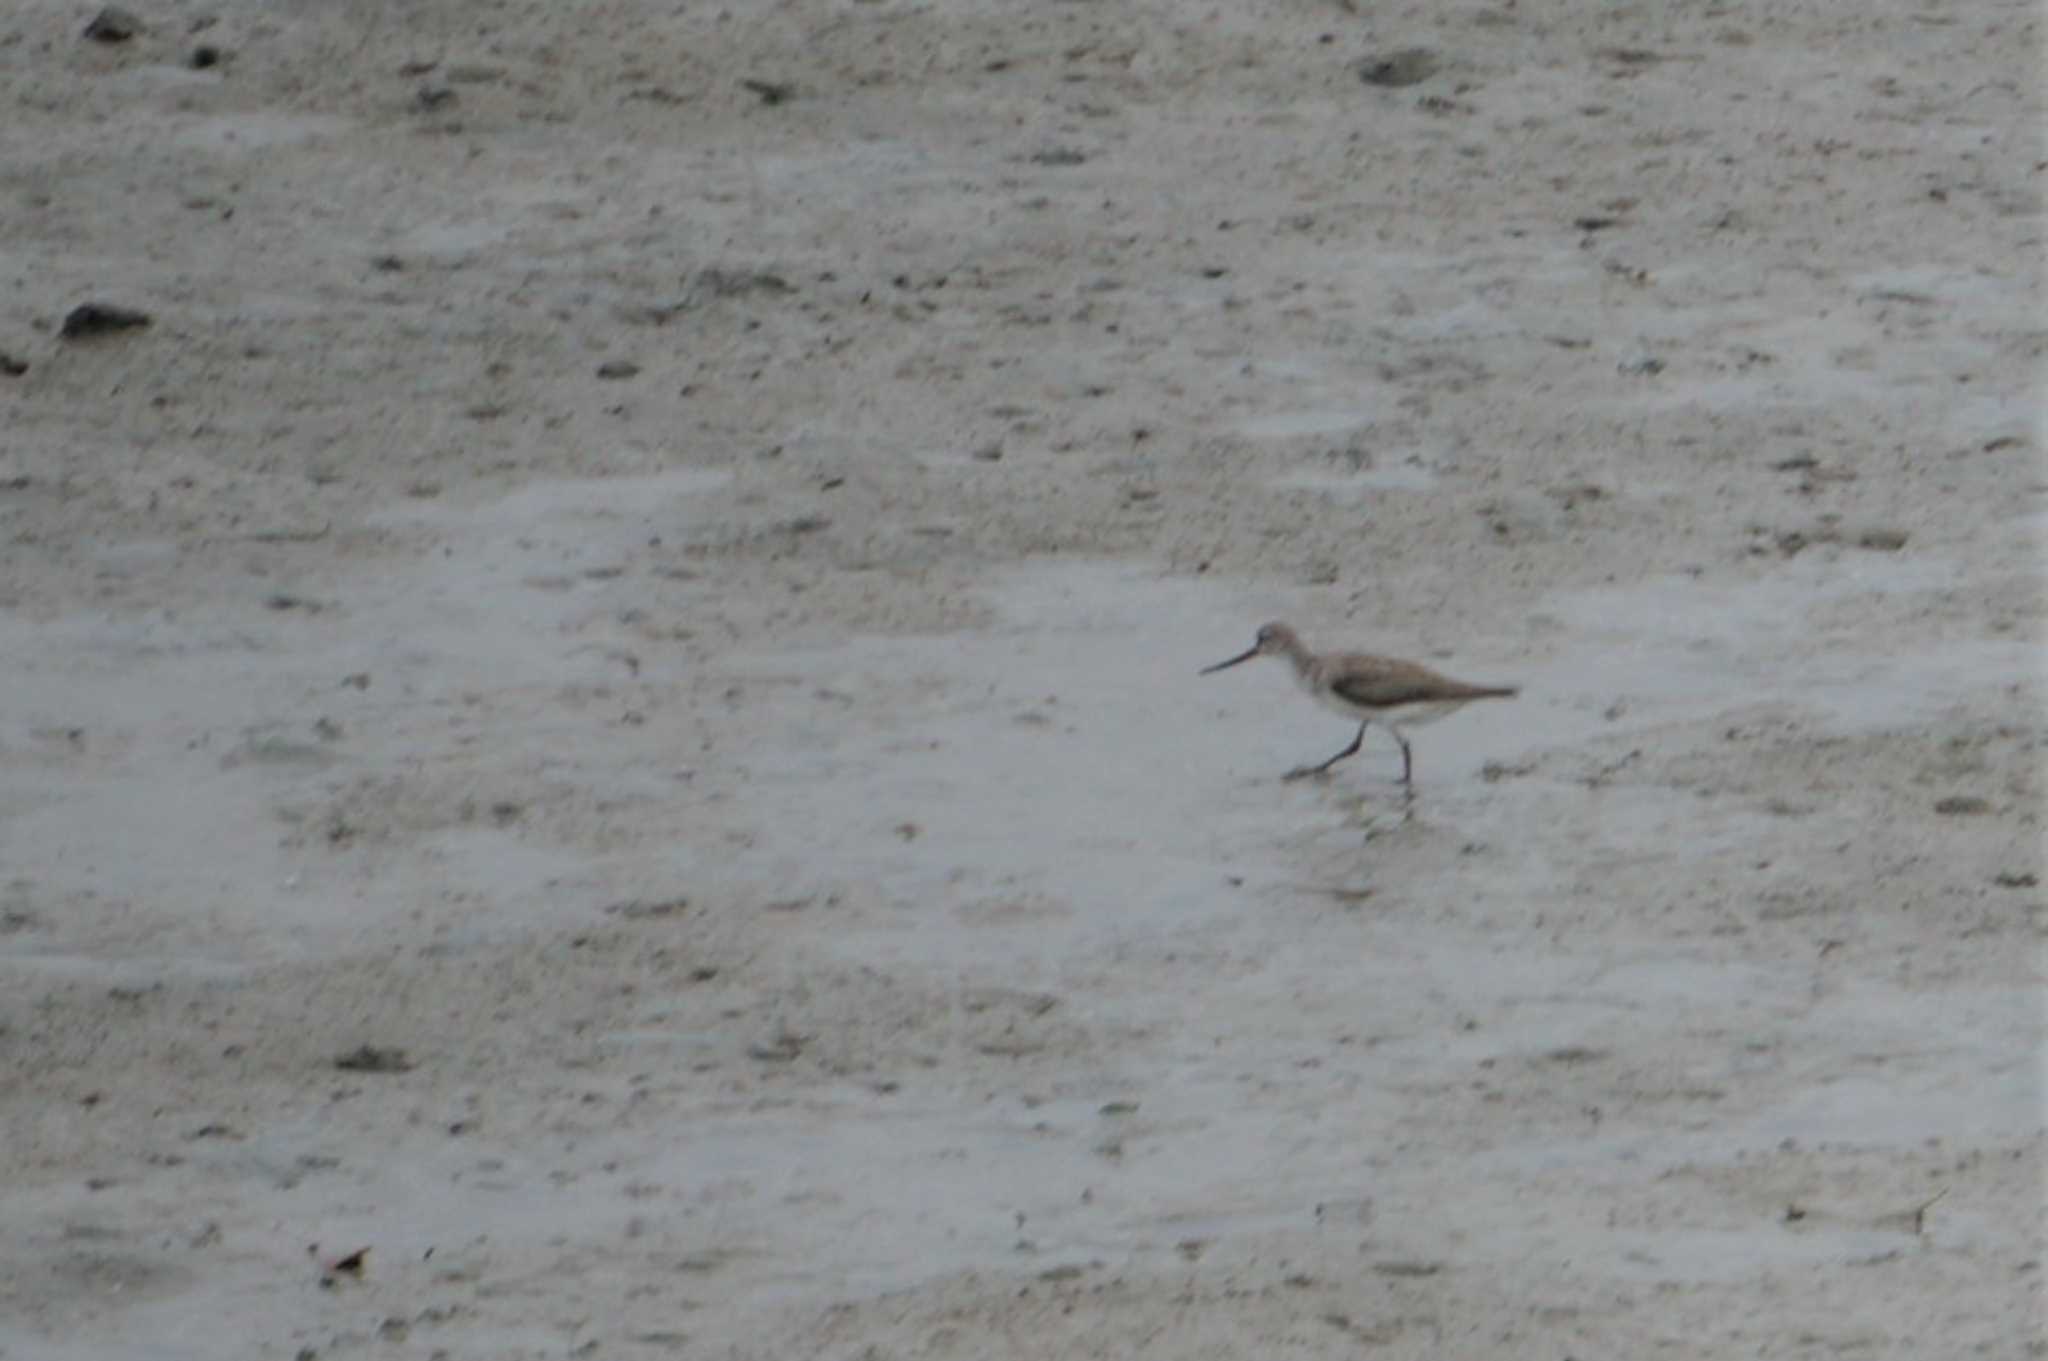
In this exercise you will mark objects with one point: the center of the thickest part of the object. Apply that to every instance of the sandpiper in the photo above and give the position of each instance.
(1366, 688)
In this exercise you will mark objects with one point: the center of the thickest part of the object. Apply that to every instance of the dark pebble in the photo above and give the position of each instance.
(1410, 66)
(100, 318)
(113, 25)
(371, 1059)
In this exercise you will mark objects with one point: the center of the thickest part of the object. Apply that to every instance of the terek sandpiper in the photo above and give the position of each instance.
(1366, 688)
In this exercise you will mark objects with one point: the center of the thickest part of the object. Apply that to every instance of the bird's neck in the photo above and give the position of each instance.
(1299, 657)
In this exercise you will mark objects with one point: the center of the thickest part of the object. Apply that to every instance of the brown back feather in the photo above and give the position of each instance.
(1389, 683)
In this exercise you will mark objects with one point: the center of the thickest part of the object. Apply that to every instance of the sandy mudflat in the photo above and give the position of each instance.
(604, 704)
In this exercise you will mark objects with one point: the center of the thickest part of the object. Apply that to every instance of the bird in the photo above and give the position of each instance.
(1367, 688)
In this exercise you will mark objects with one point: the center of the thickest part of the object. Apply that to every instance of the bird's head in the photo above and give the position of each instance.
(1271, 639)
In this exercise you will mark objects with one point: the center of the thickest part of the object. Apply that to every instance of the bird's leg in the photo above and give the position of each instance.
(1301, 772)
(1407, 758)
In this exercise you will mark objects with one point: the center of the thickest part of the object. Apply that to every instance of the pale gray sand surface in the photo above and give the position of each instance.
(670, 615)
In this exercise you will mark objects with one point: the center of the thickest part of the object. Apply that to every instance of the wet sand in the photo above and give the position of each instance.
(603, 704)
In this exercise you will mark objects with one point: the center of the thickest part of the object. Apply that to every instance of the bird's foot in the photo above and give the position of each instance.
(1305, 772)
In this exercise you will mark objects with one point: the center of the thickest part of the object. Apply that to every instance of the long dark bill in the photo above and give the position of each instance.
(1240, 657)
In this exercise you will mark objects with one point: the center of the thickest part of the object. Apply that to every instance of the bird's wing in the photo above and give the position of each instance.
(1385, 683)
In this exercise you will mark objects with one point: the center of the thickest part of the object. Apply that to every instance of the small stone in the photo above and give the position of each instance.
(1409, 66)
(12, 367)
(101, 318)
(113, 25)
(1962, 806)
(371, 1059)
(1882, 540)
(615, 369)
(734, 283)
(785, 1047)
(642, 909)
(205, 57)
